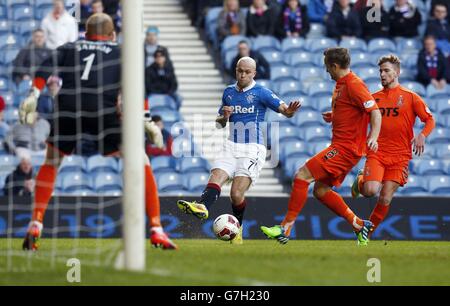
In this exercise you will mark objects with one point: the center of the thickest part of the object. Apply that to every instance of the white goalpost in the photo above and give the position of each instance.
(133, 136)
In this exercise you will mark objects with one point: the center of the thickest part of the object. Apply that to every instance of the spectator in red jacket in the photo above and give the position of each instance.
(168, 140)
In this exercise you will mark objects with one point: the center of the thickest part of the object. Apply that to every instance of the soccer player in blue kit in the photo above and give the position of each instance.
(244, 104)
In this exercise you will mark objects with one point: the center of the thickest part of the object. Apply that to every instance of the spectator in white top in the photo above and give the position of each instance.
(59, 26)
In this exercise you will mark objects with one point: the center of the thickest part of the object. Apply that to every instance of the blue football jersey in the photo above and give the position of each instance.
(249, 110)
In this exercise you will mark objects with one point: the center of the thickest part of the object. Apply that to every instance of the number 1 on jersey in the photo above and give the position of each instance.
(90, 60)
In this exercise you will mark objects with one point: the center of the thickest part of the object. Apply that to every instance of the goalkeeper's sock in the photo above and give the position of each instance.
(238, 211)
(210, 195)
(299, 194)
(45, 183)
(337, 204)
(378, 214)
(152, 198)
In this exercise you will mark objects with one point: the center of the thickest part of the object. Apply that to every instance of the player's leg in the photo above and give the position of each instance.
(45, 182)
(297, 200)
(381, 209)
(210, 194)
(238, 203)
(368, 182)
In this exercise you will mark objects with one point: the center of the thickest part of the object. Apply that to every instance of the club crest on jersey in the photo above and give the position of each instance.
(330, 154)
(250, 98)
(400, 101)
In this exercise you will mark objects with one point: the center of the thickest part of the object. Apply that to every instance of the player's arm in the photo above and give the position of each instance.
(360, 95)
(375, 127)
(423, 112)
(225, 115)
(289, 110)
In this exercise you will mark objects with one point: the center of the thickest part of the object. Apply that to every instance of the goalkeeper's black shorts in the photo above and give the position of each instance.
(76, 132)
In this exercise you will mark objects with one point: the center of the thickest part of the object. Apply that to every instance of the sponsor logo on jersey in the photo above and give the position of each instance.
(238, 109)
(389, 111)
(369, 104)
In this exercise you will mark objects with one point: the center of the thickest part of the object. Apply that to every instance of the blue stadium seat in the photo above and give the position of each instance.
(292, 45)
(294, 148)
(381, 45)
(289, 133)
(409, 60)
(408, 45)
(281, 73)
(275, 58)
(374, 86)
(196, 182)
(265, 42)
(107, 181)
(170, 182)
(228, 58)
(22, 12)
(323, 104)
(320, 44)
(359, 166)
(429, 167)
(184, 147)
(212, 15)
(99, 163)
(5, 84)
(73, 163)
(231, 42)
(272, 116)
(310, 74)
(9, 40)
(25, 28)
(161, 103)
(8, 55)
(163, 164)
(299, 59)
(307, 104)
(193, 164)
(168, 116)
(42, 10)
(3, 11)
(8, 97)
(442, 106)
(74, 181)
(346, 187)
(442, 151)
(368, 74)
(416, 185)
(110, 192)
(8, 163)
(305, 119)
(76, 192)
(407, 74)
(317, 147)
(434, 93)
(361, 59)
(265, 83)
(317, 134)
(439, 135)
(354, 44)
(289, 88)
(321, 89)
(5, 27)
(24, 87)
(11, 116)
(292, 165)
(439, 185)
(317, 30)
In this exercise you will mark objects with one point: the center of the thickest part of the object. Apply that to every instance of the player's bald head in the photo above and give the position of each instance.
(100, 24)
(246, 62)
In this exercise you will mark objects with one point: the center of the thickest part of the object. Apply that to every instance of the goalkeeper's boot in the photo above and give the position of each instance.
(355, 186)
(33, 236)
(363, 234)
(277, 232)
(159, 239)
(238, 239)
(197, 209)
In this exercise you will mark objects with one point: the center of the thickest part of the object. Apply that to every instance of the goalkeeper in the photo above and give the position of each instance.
(87, 108)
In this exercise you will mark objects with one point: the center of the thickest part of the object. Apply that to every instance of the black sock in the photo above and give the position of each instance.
(210, 194)
(238, 211)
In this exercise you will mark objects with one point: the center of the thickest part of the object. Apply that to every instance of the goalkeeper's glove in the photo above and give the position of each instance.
(27, 109)
(153, 131)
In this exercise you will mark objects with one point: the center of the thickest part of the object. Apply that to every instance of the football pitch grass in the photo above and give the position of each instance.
(213, 262)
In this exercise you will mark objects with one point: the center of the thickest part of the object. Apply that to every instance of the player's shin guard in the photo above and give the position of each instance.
(378, 214)
(238, 211)
(337, 204)
(45, 183)
(151, 198)
(210, 195)
(299, 195)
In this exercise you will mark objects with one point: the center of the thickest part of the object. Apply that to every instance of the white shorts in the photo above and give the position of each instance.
(241, 159)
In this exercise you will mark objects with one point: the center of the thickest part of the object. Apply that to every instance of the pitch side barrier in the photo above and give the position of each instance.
(409, 218)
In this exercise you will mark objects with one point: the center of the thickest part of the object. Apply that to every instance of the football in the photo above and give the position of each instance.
(226, 227)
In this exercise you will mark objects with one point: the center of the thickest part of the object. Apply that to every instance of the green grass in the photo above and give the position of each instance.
(213, 262)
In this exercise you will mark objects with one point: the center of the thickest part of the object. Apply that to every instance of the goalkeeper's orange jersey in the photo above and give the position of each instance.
(399, 108)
